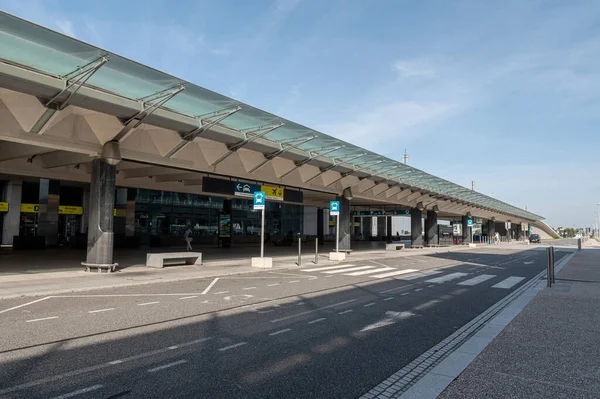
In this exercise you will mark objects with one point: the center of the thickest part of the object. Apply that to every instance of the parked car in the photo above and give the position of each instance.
(535, 238)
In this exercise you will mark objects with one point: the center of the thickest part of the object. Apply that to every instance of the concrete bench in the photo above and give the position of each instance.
(187, 258)
(393, 247)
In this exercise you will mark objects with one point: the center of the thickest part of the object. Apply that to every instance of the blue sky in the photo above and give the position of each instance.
(504, 93)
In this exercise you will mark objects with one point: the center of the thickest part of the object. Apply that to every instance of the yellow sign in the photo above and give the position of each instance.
(70, 210)
(3, 206)
(30, 208)
(120, 213)
(273, 193)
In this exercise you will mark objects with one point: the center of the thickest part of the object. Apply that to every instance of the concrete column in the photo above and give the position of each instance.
(466, 230)
(345, 218)
(491, 228)
(416, 227)
(47, 225)
(431, 228)
(86, 208)
(12, 218)
(388, 228)
(381, 227)
(100, 213)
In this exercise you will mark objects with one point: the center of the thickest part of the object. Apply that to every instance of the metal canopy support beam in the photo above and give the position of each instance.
(291, 144)
(249, 136)
(205, 122)
(73, 82)
(336, 162)
(299, 164)
(149, 104)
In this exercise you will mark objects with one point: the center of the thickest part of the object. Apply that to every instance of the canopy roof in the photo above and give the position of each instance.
(44, 51)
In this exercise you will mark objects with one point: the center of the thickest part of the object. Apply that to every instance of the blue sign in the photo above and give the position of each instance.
(469, 222)
(243, 189)
(334, 208)
(259, 200)
(531, 229)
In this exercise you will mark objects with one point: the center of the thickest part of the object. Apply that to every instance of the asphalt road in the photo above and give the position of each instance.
(312, 332)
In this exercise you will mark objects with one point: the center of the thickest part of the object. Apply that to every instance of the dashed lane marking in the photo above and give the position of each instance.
(272, 285)
(312, 311)
(42, 319)
(368, 305)
(79, 392)
(226, 348)
(248, 288)
(166, 366)
(189, 297)
(389, 299)
(280, 331)
(346, 311)
(101, 310)
(148, 303)
(317, 320)
(220, 292)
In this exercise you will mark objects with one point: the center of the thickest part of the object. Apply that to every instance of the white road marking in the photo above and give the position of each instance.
(45, 318)
(96, 367)
(209, 286)
(420, 274)
(320, 269)
(25, 304)
(352, 269)
(280, 331)
(148, 303)
(383, 269)
(509, 282)
(391, 318)
(166, 366)
(79, 392)
(272, 285)
(476, 280)
(419, 289)
(369, 305)
(101, 310)
(173, 347)
(312, 311)
(300, 303)
(249, 288)
(396, 273)
(406, 293)
(295, 281)
(389, 299)
(317, 320)
(346, 311)
(448, 277)
(226, 348)
(329, 276)
(220, 292)
(189, 297)
(432, 285)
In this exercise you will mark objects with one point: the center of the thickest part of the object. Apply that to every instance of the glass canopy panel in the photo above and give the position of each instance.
(38, 48)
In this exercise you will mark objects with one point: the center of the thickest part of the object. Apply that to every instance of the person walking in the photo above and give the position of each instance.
(188, 236)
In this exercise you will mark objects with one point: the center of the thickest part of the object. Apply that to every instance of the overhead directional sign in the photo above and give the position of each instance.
(243, 189)
(395, 212)
(334, 208)
(273, 193)
(259, 200)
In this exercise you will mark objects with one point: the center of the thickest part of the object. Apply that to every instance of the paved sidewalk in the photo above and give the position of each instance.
(64, 281)
(550, 350)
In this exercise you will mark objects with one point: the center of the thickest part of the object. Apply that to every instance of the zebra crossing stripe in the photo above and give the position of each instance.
(319, 269)
(383, 269)
(397, 273)
(477, 280)
(447, 277)
(509, 282)
(420, 275)
(353, 269)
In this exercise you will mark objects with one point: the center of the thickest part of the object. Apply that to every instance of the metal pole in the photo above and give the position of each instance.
(299, 251)
(548, 277)
(317, 251)
(337, 233)
(553, 274)
(262, 233)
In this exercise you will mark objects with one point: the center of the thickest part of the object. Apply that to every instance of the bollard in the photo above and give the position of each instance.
(553, 261)
(548, 276)
(299, 251)
(579, 244)
(317, 251)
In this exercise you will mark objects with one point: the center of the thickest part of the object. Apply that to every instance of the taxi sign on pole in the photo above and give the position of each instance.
(259, 200)
(469, 222)
(334, 208)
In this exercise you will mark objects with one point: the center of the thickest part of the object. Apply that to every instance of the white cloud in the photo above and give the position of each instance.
(382, 126)
(65, 26)
(413, 68)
